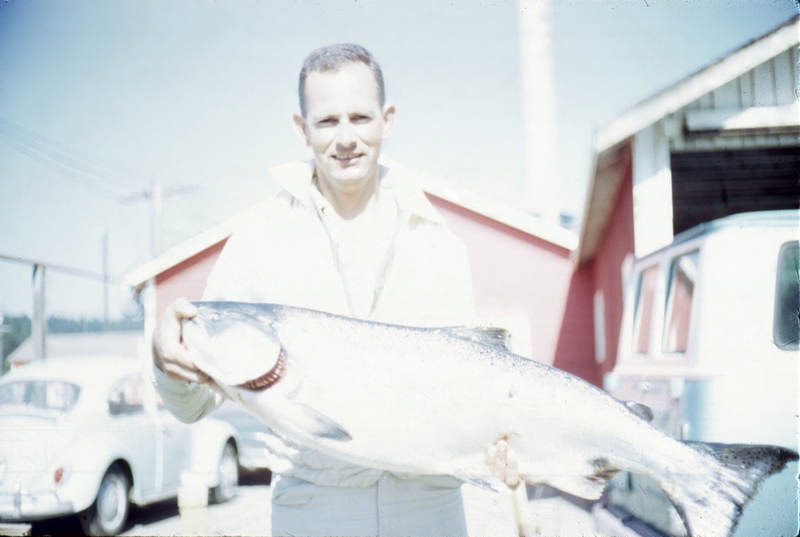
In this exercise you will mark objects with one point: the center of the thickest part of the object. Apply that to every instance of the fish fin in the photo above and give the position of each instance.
(643, 411)
(314, 423)
(711, 503)
(486, 335)
(325, 427)
(589, 486)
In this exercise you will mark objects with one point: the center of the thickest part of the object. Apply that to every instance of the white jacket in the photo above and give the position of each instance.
(291, 252)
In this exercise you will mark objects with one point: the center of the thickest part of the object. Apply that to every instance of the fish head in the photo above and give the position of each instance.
(234, 344)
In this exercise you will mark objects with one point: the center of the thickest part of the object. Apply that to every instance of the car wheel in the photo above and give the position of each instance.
(109, 512)
(228, 475)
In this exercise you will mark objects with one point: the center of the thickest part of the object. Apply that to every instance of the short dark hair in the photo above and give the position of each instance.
(333, 58)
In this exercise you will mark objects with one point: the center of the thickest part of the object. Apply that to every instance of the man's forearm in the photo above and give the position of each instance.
(187, 401)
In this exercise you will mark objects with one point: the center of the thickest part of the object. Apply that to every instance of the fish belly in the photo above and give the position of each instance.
(425, 402)
(413, 401)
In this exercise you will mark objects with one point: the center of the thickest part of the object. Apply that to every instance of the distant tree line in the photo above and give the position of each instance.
(20, 328)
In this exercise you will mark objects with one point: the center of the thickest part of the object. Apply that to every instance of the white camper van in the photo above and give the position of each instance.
(709, 341)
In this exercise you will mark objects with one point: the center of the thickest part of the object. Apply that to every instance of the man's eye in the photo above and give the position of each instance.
(327, 122)
(360, 119)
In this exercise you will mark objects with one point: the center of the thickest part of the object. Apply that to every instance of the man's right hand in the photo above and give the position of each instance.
(169, 353)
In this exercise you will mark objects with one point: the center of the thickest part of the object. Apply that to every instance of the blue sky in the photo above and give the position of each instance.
(97, 99)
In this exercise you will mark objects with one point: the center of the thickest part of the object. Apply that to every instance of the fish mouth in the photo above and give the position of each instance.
(268, 379)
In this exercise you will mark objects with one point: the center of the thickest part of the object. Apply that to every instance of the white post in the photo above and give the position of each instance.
(149, 302)
(39, 321)
(539, 104)
(193, 504)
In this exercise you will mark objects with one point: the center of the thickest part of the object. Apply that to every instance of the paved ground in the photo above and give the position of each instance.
(488, 514)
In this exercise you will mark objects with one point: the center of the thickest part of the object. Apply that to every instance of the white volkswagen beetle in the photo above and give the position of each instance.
(89, 435)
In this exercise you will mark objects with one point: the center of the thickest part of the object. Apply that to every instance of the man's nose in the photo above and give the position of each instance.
(345, 135)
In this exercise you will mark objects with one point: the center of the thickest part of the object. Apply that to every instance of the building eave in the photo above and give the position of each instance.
(608, 172)
(485, 206)
(703, 81)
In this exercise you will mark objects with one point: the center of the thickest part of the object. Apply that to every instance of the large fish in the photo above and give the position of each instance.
(435, 400)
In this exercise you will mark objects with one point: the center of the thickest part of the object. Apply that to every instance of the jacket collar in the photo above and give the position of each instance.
(296, 178)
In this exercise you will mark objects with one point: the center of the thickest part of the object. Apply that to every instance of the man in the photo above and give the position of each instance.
(346, 236)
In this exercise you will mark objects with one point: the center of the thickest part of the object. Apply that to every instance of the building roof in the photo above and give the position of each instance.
(611, 139)
(703, 81)
(122, 342)
(429, 183)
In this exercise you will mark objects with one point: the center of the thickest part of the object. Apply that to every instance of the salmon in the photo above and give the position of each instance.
(435, 401)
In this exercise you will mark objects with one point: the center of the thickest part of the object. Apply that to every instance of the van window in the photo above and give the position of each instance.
(786, 323)
(644, 310)
(683, 275)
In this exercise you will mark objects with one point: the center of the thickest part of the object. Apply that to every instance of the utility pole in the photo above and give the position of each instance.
(157, 195)
(158, 210)
(105, 281)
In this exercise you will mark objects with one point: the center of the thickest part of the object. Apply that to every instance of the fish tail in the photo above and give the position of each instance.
(711, 503)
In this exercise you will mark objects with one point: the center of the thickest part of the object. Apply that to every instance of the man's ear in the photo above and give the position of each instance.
(388, 121)
(300, 127)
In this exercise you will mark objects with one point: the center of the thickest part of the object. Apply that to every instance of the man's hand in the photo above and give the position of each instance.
(169, 353)
(503, 462)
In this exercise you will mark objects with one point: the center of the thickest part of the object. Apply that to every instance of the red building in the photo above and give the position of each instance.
(522, 272)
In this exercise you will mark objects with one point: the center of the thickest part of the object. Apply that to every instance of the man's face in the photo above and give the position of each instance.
(344, 124)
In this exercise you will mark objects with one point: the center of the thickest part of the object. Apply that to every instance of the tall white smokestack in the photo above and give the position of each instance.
(539, 104)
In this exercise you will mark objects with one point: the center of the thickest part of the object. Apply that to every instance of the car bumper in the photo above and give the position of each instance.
(23, 506)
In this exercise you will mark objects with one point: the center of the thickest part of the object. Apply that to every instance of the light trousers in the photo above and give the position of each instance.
(423, 506)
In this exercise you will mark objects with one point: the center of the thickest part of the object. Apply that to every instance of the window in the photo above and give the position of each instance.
(683, 275)
(126, 396)
(38, 395)
(644, 310)
(786, 323)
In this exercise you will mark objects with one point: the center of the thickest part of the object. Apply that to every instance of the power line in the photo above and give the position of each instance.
(88, 171)
(80, 168)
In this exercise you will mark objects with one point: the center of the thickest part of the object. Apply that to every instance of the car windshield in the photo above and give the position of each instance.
(38, 395)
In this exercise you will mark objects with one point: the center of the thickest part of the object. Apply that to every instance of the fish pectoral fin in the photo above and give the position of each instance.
(314, 423)
(588, 485)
